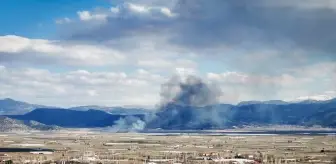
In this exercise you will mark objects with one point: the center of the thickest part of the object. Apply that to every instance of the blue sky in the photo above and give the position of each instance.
(35, 18)
(102, 52)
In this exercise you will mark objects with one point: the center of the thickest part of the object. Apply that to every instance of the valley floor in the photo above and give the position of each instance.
(87, 146)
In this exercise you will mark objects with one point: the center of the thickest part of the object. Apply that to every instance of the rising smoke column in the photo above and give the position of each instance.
(188, 103)
(189, 91)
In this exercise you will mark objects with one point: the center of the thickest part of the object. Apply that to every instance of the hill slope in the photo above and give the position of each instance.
(8, 124)
(13, 107)
(72, 118)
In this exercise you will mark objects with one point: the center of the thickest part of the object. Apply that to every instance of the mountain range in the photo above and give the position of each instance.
(10, 107)
(10, 125)
(72, 118)
(175, 116)
(13, 107)
(113, 110)
(306, 113)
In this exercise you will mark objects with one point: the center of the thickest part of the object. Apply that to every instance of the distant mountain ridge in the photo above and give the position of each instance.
(222, 116)
(173, 116)
(277, 102)
(13, 107)
(113, 110)
(72, 118)
(9, 125)
(10, 107)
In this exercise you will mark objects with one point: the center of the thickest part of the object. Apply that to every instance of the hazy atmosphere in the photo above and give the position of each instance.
(125, 52)
(168, 81)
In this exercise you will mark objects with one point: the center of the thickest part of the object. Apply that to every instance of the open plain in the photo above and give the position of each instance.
(83, 146)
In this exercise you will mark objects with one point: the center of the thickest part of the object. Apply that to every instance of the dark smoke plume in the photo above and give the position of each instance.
(192, 104)
(191, 91)
(188, 104)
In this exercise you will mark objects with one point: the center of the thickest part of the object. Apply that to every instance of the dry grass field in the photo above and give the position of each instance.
(98, 147)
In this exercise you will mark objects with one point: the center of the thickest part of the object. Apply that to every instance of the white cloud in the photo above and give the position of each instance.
(92, 93)
(12, 43)
(153, 55)
(126, 10)
(284, 57)
(88, 16)
(20, 49)
(145, 10)
(80, 87)
(164, 64)
(115, 10)
(316, 97)
(228, 77)
(167, 12)
(185, 72)
(308, 82)
(272, 26)
(142, 86)
(137, 8)
(63, 20)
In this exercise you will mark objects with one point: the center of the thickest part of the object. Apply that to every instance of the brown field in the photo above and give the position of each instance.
(94, 147)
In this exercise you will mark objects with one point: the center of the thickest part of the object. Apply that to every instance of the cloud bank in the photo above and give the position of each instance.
(260, 50)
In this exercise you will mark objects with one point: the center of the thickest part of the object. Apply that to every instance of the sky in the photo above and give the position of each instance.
(119, 52)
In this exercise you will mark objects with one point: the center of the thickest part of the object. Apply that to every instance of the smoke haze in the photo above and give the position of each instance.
(129, 123)
(188, 103)
(190, 91)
